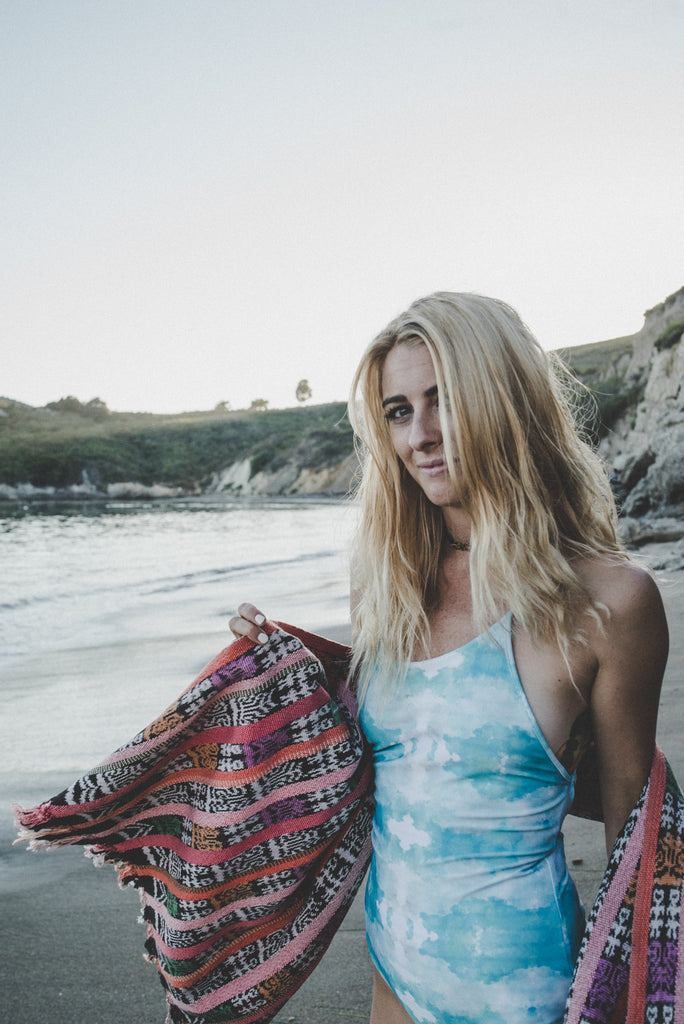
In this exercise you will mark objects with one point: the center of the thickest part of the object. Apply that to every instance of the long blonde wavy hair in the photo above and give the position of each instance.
(536, 493)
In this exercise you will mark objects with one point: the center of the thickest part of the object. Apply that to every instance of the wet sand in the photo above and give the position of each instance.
(71, 947)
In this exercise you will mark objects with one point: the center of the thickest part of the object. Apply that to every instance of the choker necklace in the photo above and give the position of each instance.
(457, 545)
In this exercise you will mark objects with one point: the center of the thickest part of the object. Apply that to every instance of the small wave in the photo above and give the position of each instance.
(165, 585)
(192, 579)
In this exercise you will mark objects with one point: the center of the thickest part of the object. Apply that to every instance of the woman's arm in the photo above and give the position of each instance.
(631, 656)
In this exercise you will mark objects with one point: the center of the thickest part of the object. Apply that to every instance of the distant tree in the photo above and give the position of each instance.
(95, 409)
(259, 405)
(303, 391)
(68, 404)
(222, 407)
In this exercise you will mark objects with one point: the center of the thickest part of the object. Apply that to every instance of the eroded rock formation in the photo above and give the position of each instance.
(646, 446)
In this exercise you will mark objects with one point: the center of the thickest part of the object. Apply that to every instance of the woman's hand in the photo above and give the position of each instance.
(248, 622)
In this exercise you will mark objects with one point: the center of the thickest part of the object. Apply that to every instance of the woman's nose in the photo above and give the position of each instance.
(425, 430)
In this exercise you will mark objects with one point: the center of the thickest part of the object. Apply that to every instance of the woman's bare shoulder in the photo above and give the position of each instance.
(631, 614)
(627, 590)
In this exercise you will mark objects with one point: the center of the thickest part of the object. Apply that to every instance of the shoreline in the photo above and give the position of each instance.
(206, 498)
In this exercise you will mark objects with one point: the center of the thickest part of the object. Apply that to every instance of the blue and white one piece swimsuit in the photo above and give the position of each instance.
(471, 915)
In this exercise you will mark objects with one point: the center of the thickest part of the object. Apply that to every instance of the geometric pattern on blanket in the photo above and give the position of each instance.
(243, 815)
(630, 968)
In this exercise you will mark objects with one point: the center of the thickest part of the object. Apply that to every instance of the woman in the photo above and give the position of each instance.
(495, 618)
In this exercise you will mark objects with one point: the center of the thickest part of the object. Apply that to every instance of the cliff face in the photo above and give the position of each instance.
(656, 322)
(292, 478)
(646, 445)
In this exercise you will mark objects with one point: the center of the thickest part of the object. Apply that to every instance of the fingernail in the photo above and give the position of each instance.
(263, 638)
(259, 619)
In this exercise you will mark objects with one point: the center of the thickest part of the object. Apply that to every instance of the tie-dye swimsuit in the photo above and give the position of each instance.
(471, 915)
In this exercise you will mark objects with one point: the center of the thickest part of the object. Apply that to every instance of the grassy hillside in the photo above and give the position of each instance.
(591, 361)
(602, 368)
(53, 447)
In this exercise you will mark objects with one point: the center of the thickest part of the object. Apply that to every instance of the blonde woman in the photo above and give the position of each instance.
(496, 619)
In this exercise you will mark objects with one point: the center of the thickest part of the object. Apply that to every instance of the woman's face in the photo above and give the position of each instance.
(411, 406)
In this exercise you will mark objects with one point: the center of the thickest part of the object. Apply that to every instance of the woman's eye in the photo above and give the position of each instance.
(396, 413)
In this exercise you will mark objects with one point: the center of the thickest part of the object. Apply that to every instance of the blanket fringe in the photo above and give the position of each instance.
(31, 819)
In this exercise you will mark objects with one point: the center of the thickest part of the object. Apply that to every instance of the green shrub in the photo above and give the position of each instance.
(670, 336)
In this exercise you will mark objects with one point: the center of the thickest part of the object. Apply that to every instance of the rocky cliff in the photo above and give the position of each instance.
(291, 478)
(646, 444)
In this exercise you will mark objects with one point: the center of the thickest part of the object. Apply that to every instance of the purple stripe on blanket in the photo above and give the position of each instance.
(609, 981)
(261, 749)
(244, 666)
(662, 971)
(284, 810)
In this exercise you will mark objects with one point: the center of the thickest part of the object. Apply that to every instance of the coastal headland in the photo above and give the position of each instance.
(630, 391)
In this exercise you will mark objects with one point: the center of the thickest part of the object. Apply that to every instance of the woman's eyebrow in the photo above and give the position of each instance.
(430, 393)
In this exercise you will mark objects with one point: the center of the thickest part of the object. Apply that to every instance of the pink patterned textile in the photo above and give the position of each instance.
(630, 966)
(243, 815)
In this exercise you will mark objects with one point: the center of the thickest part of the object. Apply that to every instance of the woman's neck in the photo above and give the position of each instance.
(457, 525)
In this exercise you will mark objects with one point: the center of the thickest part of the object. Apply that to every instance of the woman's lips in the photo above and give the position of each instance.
(433, 468)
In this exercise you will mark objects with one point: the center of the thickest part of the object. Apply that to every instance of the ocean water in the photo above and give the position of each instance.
(91, 574)
(107, 612)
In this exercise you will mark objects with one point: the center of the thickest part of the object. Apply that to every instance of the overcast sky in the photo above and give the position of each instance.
(208, 200)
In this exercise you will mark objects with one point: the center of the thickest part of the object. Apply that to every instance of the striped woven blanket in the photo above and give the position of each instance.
(243, 815)
(630, 968)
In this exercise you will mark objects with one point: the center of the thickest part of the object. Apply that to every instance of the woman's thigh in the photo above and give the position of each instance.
(386, 1007)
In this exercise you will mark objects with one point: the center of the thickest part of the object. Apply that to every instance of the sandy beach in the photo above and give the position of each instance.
(71, 944)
